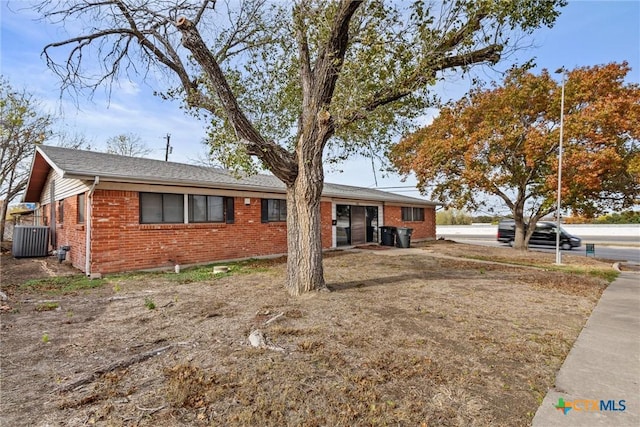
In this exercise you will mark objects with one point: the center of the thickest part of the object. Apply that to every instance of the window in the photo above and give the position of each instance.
(210, 209)
(81, 206)
(158, 208)
(274, 210)
(413, 214)
(61, 211)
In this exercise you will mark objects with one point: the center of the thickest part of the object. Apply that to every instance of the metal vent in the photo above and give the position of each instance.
(30, 241)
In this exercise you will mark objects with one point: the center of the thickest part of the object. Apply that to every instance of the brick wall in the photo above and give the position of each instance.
(326, 229)
(69, 232)
(121, 243)
(421, 229)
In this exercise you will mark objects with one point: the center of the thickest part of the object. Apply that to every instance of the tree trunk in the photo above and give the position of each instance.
(304, 263)
(9, 195)
(519, 241)
(301, 171)
(3, 219)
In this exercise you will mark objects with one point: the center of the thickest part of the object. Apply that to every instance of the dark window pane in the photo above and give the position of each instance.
(277, 210)
(197, 208)
(81, 206)
(372, 223)
(273, 214)
(343, 225)
(413, 214)
(61, 211)
(206, 208)
(229, 213)
(173, 207)
(159, 208)
(150, 208)
(264, 210)
(274, 210)
(215, 208)
(406, 214)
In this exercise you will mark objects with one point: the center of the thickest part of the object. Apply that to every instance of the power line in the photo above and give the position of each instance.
(398, 186)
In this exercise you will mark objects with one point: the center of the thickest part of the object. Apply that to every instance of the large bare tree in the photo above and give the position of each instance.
(127, 144)
(22, 127)
(292, 85)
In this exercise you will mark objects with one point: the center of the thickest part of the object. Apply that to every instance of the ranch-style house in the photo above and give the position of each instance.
(118, 213)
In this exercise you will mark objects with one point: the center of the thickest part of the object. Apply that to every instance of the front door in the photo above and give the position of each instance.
(343, 225)
(372, 224)
(356, 225)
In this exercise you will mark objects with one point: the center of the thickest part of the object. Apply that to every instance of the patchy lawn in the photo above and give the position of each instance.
(411, 339)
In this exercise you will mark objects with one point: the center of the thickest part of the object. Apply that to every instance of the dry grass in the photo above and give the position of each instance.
(415, 339)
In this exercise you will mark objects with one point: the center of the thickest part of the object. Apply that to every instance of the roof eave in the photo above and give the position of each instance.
(175, 182)
(40, 168)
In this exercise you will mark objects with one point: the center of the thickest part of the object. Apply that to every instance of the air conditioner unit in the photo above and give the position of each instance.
(30, 241)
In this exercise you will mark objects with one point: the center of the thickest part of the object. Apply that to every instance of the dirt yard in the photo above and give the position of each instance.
(414, 337)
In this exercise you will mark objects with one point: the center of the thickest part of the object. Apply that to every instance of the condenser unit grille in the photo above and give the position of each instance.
(30, 241)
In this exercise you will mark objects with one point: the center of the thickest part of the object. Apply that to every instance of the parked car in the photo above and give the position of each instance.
(544, 235)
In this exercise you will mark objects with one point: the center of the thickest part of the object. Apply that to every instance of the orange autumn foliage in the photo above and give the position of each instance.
(503, 141)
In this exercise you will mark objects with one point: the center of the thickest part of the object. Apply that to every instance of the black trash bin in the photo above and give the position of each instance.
(387, 235)
(403, 237)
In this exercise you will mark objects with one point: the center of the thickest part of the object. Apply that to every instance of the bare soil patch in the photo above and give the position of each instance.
(414, 339)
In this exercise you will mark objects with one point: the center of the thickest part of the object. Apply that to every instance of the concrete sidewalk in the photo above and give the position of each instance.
(603, 365)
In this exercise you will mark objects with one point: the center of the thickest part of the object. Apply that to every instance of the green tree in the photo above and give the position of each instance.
(294, 85)
(627, 217)
(503, 142)
(22, 127)
(453, 217)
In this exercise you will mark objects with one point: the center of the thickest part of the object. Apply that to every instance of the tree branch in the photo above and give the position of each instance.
(205, 3)
(457, 37)
(319, 84)
(242, 31)
(277, 159)
(418, 79)
(303, 51)
(168, 57)
(331, 57)
(92, 376)
(498, 192)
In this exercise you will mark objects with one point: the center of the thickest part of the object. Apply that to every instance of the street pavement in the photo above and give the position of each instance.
(599, 382)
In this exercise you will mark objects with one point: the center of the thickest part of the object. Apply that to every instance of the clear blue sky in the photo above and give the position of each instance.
(586, 33)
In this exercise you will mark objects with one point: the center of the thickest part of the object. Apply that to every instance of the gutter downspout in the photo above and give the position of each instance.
(89, 210)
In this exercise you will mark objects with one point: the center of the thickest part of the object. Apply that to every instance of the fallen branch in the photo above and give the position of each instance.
(88, 378)
(151, 410)
(273, 319)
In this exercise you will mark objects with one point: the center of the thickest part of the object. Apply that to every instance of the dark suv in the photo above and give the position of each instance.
(544, 235)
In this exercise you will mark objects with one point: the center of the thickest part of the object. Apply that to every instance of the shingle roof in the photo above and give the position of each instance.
(81, 164)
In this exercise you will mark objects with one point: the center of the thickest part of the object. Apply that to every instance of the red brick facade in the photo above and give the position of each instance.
(421, 229)
(119, 242)
(69, 232)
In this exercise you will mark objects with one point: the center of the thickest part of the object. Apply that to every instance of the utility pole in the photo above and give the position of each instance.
(559, 205)
(169, 148)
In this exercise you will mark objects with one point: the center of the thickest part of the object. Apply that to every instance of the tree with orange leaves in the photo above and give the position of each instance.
(503, 142)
